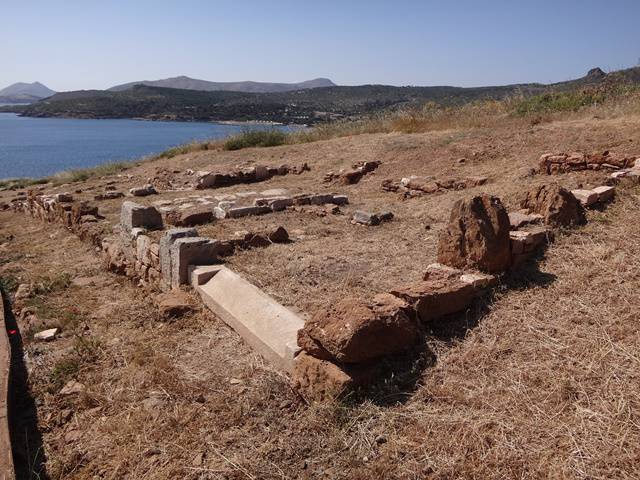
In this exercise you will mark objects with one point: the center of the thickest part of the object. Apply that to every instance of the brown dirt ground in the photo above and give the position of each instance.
(542, 382)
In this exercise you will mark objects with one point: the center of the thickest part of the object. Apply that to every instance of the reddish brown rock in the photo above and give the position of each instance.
(438, 297)
(355, 331)
(477, 236)
(557, 205)
(319, 380)
(173, 304)
(279, 235)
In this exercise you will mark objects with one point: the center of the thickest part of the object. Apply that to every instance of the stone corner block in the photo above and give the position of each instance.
(134, 215)
(191, 251)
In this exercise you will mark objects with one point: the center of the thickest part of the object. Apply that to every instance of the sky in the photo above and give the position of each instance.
(71, 45)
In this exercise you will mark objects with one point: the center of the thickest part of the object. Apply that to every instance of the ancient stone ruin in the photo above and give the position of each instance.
(415, 186)
(341, 346)
(258, 173)
(553, 163)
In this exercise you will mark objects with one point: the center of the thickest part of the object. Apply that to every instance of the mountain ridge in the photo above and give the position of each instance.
(248, 86)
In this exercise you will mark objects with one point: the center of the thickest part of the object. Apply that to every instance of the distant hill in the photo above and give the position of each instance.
(300, 106)
(25, 93)
(186, 83)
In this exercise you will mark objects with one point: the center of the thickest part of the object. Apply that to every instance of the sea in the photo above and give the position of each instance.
(39, 147)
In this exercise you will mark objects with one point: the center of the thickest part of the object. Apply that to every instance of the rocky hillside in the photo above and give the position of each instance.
(301, 106)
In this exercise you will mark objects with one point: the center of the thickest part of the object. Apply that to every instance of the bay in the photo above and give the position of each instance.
(38, 147)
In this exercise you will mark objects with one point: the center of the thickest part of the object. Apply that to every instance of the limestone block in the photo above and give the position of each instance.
(165, 250)
(237, 212)
(585, 197)
(262, 322)
(604, 193)
(190, 251)
(135, 215)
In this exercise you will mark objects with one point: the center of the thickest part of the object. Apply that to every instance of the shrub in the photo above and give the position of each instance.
(558, 102)
(256, 138)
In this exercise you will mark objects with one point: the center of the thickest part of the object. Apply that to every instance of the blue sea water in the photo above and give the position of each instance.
(37, 147)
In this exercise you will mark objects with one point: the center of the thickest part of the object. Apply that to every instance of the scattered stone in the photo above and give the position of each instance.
(370, 219)
(109, 196)
(64, 197)
(477, 236)
(479, 280)
(605, 193)
(173, 304)
(319, 380)
(46, 335)
(353, 331)
(586, 198)
(135, 215)
(236, 212)
(190, 217)
(557, 205)
(436, 298)
(365, 218)
(438, 271)
(279, 235)
(340, 200)
(520, 219)
(143, 191)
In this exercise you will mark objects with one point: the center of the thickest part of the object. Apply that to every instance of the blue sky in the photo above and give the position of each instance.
(70, 44)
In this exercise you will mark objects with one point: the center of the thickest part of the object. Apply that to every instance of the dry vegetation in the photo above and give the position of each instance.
(540, 381)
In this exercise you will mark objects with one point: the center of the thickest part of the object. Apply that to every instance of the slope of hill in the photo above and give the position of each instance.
(25, 93)
(300, 106)
(187, 83)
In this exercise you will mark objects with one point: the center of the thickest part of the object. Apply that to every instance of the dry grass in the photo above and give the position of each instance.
(543, 384)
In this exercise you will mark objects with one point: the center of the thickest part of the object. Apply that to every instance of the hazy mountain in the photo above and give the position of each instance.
(25, 93)
(186, 83)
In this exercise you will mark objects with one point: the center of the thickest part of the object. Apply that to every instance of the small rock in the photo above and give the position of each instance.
(365, 218)
(279, 235)
(143, 191)
(46, 335)
(173, 304)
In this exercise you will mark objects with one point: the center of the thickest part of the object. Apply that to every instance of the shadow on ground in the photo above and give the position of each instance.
(401, 374)
(26, 440)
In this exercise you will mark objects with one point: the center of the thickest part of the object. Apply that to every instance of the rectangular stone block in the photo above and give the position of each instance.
(604, 193)
(279, 204)
(201, 274)
(269, 327)
(134, 215)
(190, 251)
(340, 200)
(436, 298)
(321, 199)
(143, 244)
(165, 250)
(237, 212)
(586, 197)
